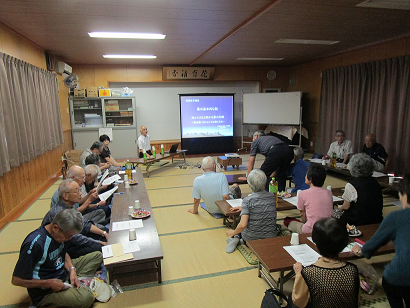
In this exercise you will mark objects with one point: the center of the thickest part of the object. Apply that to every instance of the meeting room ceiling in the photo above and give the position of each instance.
(203, 32)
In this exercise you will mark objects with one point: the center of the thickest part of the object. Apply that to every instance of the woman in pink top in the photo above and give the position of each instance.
(314, 203)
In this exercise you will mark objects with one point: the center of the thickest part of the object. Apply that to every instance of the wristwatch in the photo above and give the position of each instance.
(104, 232)
(72, 268)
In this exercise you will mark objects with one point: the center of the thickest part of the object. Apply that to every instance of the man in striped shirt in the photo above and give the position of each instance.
(278, 156)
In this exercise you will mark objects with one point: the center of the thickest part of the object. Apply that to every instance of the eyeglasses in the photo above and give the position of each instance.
(67, 237)
(76, 191)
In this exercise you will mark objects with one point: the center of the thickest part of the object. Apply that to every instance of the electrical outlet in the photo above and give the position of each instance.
(68, 111)
(311, 143)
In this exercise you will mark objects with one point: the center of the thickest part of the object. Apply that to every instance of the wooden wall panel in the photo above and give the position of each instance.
(144, 74)
(18, 47)
(388, 50)
(25, 183)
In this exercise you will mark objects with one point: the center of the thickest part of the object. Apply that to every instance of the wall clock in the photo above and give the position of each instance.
(271, 75)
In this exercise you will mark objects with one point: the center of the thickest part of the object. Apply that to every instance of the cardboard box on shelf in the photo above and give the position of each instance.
(92, 92)
(116, 93)
(112, 107)
(104, 92)
(79, 92)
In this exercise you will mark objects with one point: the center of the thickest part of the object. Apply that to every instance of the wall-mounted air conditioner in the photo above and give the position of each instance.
(62, 68)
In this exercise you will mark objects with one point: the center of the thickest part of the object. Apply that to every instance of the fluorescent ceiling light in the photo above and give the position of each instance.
(260, 59)
(306, 42)
(386, 4)
(152, 36)
(129, 56)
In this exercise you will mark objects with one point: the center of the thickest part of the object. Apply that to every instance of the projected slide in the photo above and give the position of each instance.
(206, 115)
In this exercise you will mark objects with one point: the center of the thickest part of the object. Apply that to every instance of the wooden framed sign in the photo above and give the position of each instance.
(188, 73)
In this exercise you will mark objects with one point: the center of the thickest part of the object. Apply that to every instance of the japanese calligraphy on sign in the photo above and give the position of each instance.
(188, 73)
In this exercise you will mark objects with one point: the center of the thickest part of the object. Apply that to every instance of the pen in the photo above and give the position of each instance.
(119, 193)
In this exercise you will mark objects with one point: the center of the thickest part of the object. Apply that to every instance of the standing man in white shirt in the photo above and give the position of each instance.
(144, 143)
(342, 148)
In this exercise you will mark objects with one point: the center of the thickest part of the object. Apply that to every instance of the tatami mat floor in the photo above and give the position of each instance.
(197, 272)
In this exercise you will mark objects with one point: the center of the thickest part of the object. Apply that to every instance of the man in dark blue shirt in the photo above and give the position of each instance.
(278, 156)
(377, 152)
(43, 264)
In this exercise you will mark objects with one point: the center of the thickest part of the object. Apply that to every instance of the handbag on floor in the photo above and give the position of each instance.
(270, 300)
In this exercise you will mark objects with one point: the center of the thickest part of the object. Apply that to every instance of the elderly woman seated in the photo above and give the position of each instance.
(363, 200)
(258, 213)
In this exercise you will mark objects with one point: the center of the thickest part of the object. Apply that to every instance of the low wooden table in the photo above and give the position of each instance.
(234, 179)
(148, 259)
(225, 162)
(274, 258)
(150, 161)
(231, 219)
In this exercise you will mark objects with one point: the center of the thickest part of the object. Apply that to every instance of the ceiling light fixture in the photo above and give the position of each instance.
(306, 42)
(386, 4)
(128, 35)
(260, 59)
(129, 56)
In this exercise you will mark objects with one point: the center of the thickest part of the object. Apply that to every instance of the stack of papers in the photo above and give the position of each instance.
(119, 252)
(234, 202)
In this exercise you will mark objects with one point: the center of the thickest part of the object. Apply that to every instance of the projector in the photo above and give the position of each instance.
(231, 155)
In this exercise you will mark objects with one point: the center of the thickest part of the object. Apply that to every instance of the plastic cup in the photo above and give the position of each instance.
(132, 235)
(329, 187)
(137, 205)
(130, 210)
(127, 184)
(323, 162)
(294, 239)
(297, 193)
(391, 179)
(125, 178)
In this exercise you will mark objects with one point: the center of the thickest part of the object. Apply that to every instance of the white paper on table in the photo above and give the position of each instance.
(102, 179)
(235, 202)
(107, 251)
(337, 199)
(127, 224)
(303, 254)
(105, 195)
(111, 179)
(123, 171)
(397, 203)
(318, 160)
(292, 200)
(348, 248)
(130, 247)
(378, 174)
(341, 165)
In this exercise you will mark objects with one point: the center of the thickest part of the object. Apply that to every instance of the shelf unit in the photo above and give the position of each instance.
(89, 114)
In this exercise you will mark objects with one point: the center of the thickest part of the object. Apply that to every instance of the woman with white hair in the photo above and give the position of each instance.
(363, 200)
(258, 213)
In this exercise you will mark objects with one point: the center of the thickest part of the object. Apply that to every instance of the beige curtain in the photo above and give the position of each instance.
(372, 97)
(30, 118)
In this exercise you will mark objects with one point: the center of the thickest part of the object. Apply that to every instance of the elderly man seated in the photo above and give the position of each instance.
(211, 187)
(376, 152)
(91, 174)
(258, 213)
(87, 202)
(44, 264)
(70, 193)
(95, 148)
(341, 147)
